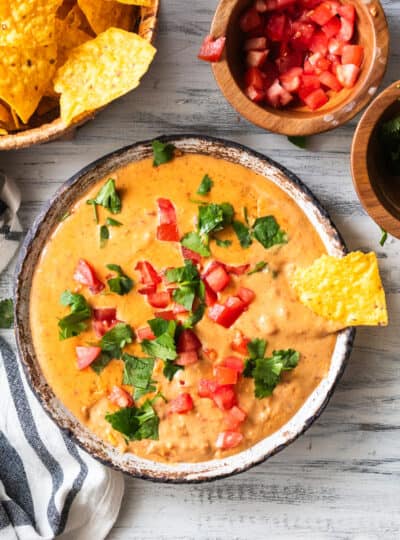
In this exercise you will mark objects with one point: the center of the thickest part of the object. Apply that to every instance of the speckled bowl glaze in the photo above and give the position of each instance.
(34, 243)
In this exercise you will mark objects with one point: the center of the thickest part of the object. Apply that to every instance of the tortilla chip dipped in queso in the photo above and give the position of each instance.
(67, 57)
(163, 314)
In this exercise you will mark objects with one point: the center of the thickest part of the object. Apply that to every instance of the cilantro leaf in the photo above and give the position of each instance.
(267, 231)
(384, 237)
(256, 348)
(222, 243)
(267, 371)
(298, 140)
(137, 373)
(104, 235)
(162, 347)
(160, 326)
(101, 362)
(185, 295)
(116, 339)
(113, 222)
(258, 267)
(205, 185)
(6, 313)
(74, 323)
(191, 287)
(108, 197)
(243, 234)
(185, 273)
(170, 368)
(121, 284)
(193, 241)
(136, 423)
(162, 152)
(195, 316)
(214, 217)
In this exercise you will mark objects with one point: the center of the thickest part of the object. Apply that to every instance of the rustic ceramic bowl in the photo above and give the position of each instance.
(35, 242)
(372, 34)
(377, 190)
(54, 128)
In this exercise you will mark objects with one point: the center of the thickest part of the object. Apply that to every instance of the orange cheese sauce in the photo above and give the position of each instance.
(275, 314)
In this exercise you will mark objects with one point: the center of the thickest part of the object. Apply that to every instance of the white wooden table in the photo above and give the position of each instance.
(341, 480)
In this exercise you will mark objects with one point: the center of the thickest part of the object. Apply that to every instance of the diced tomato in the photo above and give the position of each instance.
(179, 309)
(347, 11)
(225, 375)
(234, 417)
(145, 333)
(148, 289)
(217, 279)
(86, 275)
(276, 95)
(319, 43)
(105, 314)
(261, 6)
(249, 20)
(159, 299)
(256, 58)
(237, 270)
(302, 32)
(346, 29)
(332, 27)
(233, 362)
(352, 54)
(291, 79)
(148, 276)
(167, 315)
(246, 295)
(102, 327)
(211, 49)
(308, 68)
(190, 255)
(120, 397)
(254, 78)
(316, 99)
(228, 439)
(188, 341)
(86, 356)
(239, 343)
(187, 358)
(277, 26)
(210, 296)
(226, 314)
(319, 63)
(289, 59)
(322, 13)
(224, 397)
(310, 82)
(206, 388)
(167, 229)
(181, 404)
(278, 4)
(329, 80)
(335, 46)
(254, 94)
(168, 232)
(255, 44)
(347, 75)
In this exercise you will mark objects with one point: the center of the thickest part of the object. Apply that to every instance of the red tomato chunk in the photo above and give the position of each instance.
(86, 356)
(120, 397)
(228, 439)
(225, 375)
(226, 314)
(234, 417)
(86, 275)
(181, 404)
(211, 49)
(284, 41)
(167, 229)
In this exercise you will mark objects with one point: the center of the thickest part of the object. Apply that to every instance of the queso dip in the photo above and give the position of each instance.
(229, 355)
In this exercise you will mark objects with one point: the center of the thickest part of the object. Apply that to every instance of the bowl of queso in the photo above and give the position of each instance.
(155, 317)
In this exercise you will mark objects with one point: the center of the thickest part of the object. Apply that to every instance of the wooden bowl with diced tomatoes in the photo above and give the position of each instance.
(298, 67)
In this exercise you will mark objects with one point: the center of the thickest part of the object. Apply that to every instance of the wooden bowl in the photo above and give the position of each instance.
(372, 33)
(377, 189)
(54, 128)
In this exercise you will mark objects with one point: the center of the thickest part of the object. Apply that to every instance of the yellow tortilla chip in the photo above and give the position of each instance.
(145, 3)
(104, 14)
(68, 36)
(347, 290)
(24, 75)
(6, 119)
(76, 19)
(27, 22)
(65, 8)
(3, 132)
(101, 70)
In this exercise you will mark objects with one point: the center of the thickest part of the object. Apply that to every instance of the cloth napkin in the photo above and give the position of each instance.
(49, 487)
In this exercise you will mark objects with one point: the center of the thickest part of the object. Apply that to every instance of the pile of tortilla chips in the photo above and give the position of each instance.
(347, 290)
(67, 57)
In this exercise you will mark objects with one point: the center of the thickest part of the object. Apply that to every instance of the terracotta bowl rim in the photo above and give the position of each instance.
(30, 252)
(316, 121)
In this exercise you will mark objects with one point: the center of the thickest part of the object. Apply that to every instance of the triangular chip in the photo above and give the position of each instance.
(145, 3)
(347, 290)
(69, 36)
(24, 76)
(26, 22)
(101, 70)
(104, 14)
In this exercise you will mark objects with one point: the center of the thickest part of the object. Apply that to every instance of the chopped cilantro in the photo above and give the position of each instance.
(384, 237)
(162, 347)
(104, 235)
(170, 368)
(193, 241)
(298, 140)
(246, 215)
(258, 267)
(222, 243)
(162, 152)
(256, 348)
(138, 373)
(121, 284)
(243, 234)
(101, 362)
(136, 423)
(267, 231)
(6, 313)
(108, 197)
(160, 326)
(190, 286)
(195, 316)
(116, 339)
(74, 323)
(183, 274)
(205, 185)
(113, 222)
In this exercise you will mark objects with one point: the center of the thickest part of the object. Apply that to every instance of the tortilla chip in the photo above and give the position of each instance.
(76, 19)
(101, 70)
(3, 132)
(65, 8)
(27, 22)
(68, 36)
(104, 14)
(6, 119)
(24, 75)
(347, 290)
(145, 3)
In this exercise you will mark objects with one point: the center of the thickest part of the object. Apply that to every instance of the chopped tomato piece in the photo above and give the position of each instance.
(181, 404)
(188, 341)
(330, 81)
(250, 20)
(316, 99)
(179, 309)
(319, 63)
(246, 295)
(302, 32)
(210, 296)
(332, 27)
(206, 388)
(310, 81)
(159, 299)
(237, 270)
(86, 356)
(226, 314)
(217, 279)
(228, 439)
(239, 343)
(225, 375)
(120, 397)
(322, 13)
(289, 59)
(224, 397)
(347, 75)
(145, 333)
(291, 79)
(346, 29)
(256, 58)
(187, 358)
(347, 11)
(102, 327)
(352, 54)
(190, 255)
(276, 95)
(148, 275)
(168, 232)
(167, 229)
(235, 363)
(254, 78)
(261, 6)
(86, 275)
(167, 315)
(255, 94)
(276, 28)
(319, 43)
(335, 46)
(105, 314)
(255, 44)
(211, 49)
(234, 417)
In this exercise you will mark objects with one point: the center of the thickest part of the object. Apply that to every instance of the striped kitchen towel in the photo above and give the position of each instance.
(49, 488)
(10, 228)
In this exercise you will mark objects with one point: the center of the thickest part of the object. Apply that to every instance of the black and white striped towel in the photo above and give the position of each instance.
(10, 228)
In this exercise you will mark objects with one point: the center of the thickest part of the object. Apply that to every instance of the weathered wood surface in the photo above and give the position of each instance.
(341, 480)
